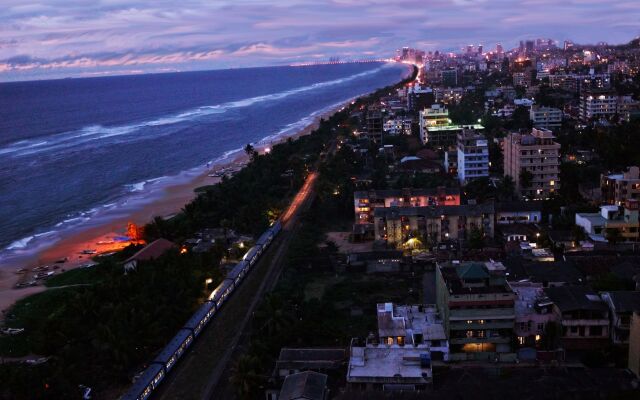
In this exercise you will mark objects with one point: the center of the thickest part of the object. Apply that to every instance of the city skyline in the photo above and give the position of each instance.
(81, 38)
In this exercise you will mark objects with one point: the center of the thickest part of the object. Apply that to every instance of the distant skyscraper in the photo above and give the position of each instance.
(450, 78)
(529, 45)
(568, 44)
(479, 49)
(499, 49)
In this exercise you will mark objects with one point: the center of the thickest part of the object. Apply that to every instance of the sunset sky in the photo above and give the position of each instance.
(60, 38)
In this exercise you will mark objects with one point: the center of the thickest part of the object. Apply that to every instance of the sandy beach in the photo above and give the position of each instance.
(70, 247)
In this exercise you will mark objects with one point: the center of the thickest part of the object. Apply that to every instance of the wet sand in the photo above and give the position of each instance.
(70, 247)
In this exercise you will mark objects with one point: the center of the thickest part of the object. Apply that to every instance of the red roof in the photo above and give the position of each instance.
(153, 250)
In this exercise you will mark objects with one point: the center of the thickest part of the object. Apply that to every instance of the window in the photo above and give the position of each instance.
(595, 331)
(540, 327)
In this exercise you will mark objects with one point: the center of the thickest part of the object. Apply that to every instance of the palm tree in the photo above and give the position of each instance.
(245, 376)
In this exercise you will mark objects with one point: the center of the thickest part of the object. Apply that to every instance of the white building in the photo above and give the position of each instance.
(409, 337)
(596, 105)
(545, 117)
(473, 156)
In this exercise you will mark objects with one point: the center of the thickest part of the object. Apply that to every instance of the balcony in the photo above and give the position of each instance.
(461, 325)
(496, 340)
(585, 322)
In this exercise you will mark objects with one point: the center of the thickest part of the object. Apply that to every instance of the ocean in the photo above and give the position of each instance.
(74, 150)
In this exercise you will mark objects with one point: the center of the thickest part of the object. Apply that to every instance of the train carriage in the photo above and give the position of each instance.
(200, 318)
(146, 383)
(175, 349)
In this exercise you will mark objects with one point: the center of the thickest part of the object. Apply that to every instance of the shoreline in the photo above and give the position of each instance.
(170, 201)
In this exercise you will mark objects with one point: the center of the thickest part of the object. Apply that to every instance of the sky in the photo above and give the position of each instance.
(78, 38)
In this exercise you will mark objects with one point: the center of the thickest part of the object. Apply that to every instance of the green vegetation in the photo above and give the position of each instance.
(105, 325)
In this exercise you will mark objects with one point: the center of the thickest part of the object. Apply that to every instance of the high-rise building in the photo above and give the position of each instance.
(477, 307)
(450, 78)
(473, 156)
(499, 49)
(539, 155)
(479, 49)
(374, 124)
(529, 46)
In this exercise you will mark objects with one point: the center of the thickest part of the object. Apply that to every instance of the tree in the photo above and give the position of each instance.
(249, 149)
(506, 188)
(613, 235)
(245, 376)
(526, 178)
(476, 238)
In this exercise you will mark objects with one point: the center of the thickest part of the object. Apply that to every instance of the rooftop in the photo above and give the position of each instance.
(409, 319)
(388, 364)
(435, 211)
(474, 278)
(625, 301)
(151, 251)
(573, 298)
(304, 385)
(384, 193)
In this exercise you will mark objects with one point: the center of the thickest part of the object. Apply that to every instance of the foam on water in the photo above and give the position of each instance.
(86, 135)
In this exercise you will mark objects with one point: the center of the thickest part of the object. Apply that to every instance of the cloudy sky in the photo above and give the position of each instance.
(59, 38)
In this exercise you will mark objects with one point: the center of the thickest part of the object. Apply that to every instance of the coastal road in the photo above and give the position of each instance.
(208, 363)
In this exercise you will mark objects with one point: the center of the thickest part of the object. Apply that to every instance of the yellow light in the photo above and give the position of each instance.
(183, 250)
(538, 338)
(241, 245)
(208, 281)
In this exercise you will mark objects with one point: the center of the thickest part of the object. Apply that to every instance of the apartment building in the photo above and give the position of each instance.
(477, 307)
(597, 105)
(473, 156)
(583, 317)
(366, 201)
(446, 135)
(618, 188)
(537, 153)
(545, 117)
(374, 124)
(410, 226)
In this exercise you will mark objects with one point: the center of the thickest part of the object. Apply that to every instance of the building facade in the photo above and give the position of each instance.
(545, 117)
(366, 201)
(612, 224)
(473, 156)
(622, 305)
(445, 135)
(583, 317)
(432, 225)
(618, 188)
(538, 154)
(477, 307)
(597, 105)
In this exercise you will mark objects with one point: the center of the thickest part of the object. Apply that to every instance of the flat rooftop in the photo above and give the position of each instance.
(388, 364)
(406, 320)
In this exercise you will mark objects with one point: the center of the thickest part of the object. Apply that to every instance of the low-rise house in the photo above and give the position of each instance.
(612, 224)
(307, 385)
(412, 325)
(622, 305)
(292, 361)
(546, 273)
(520, 212)
(151, 251)
(374, 367)
(583, 317)
(533, 312)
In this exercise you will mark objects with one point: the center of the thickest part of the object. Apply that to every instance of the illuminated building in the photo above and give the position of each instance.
(537, 153)
(473, 156)
(545, 117)
(618, 188)
(597, 105)
(477, 307)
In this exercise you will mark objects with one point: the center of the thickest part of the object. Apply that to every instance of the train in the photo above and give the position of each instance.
(149, 380)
